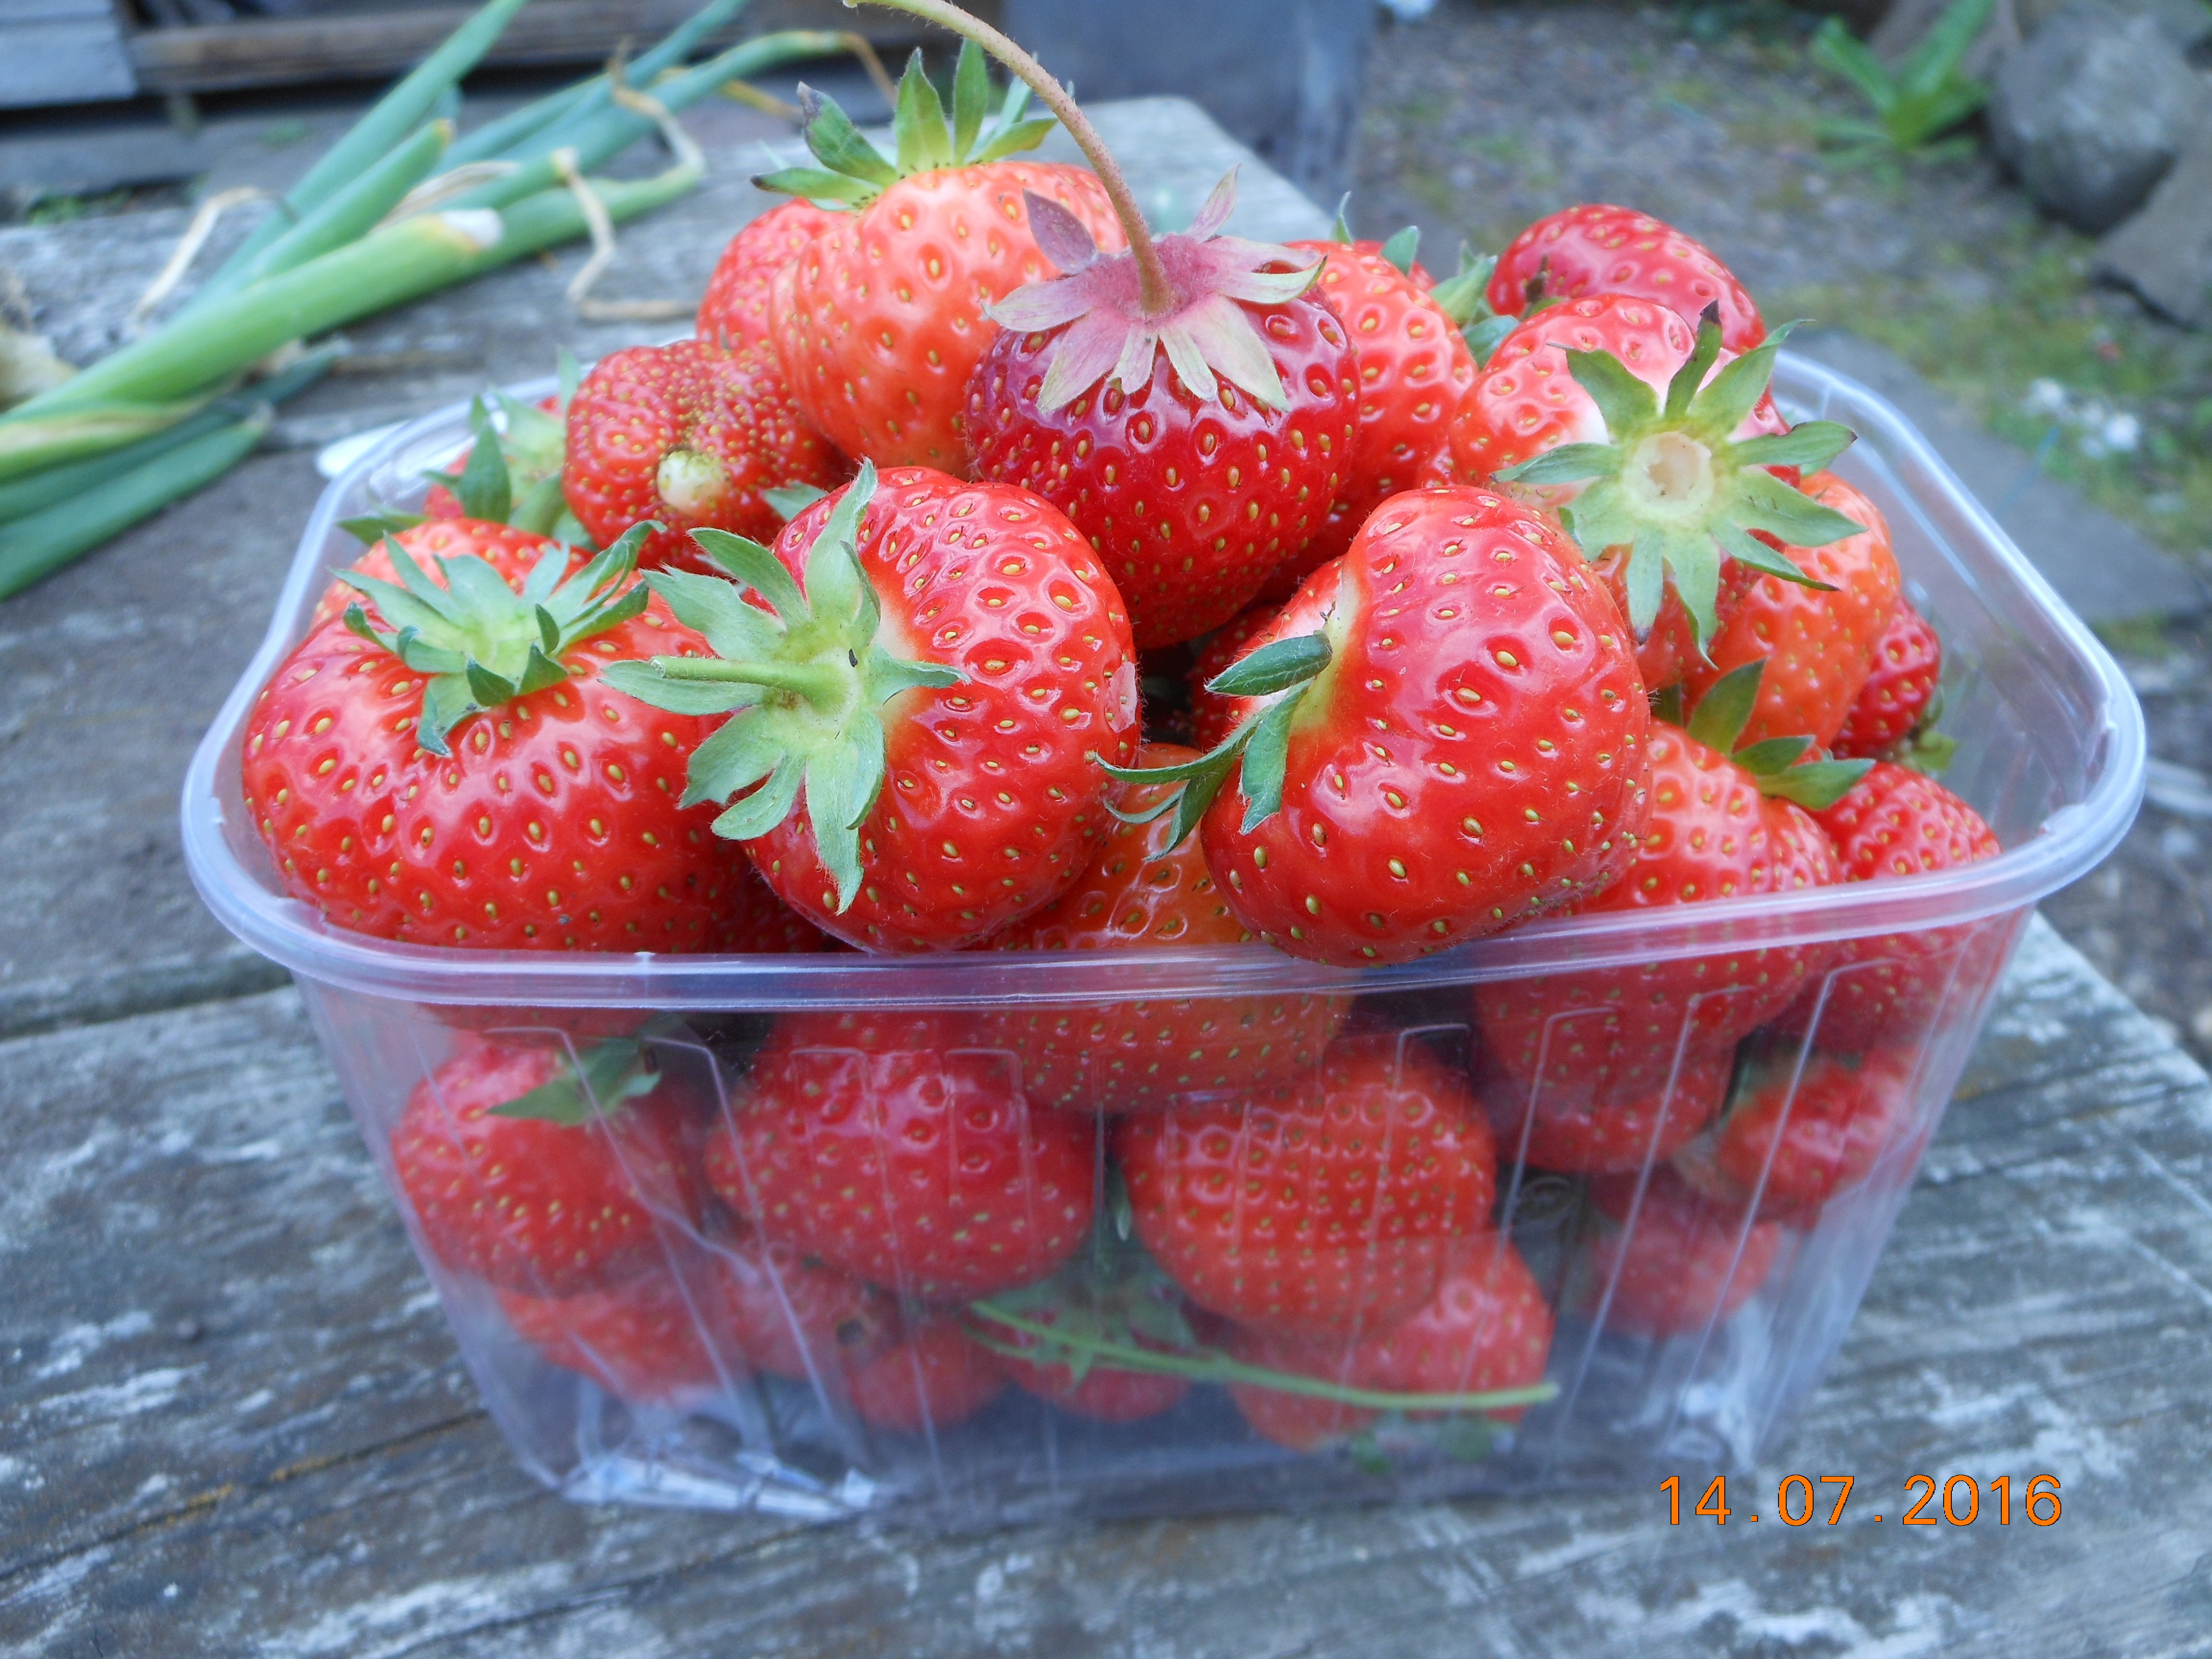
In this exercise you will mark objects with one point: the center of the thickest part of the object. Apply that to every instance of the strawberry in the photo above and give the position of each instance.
(1724, 823)
(1603, 1123)
(511, 472)
(735, 311)
(1212, 716)
(1817, 642)
(1799, 1134)
(510, 552)
(898, 1148)
(1582, 251)
(936, 663)
(1645, 436)
(538, 1173)
(1296, 1422)
(791, 1317)
(1189, 408)
(881, 318)
(639, 1340)
(937, 1377)
(1413, 370)
(1886, 989)
(1675, 1263)
(1321, 1208)
(1899, 699)
(1076, 1320)
(761, 924)
(473, 780)
(1142, 1055)
(1452, 740)
(688, 437)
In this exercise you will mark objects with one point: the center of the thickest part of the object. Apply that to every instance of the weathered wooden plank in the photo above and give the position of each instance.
(310, 1475)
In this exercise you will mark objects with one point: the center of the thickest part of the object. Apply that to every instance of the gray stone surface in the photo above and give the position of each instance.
(2164, 251)
(232, 1422)
(2093, 110)
(2186, 22)
(2101, 567)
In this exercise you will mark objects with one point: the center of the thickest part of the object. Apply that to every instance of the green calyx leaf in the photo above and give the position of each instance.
(1778, 765)
(484, 488)
(1674, 486)
(805, 682)
(481, 644)
(1402, 249)
(1464, 296)
(603, 1078)
(853, 171)
(789, 501)
(372, 527)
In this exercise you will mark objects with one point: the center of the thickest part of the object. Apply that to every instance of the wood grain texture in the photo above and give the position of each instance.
(231, 1419)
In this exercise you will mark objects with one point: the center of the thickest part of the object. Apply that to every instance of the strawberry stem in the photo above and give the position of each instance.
(823, 687)
(1157, 294)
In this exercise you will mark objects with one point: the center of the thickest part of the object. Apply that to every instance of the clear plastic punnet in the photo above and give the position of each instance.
(1559, 1282)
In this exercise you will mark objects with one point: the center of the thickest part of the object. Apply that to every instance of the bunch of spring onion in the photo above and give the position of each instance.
(398, 208)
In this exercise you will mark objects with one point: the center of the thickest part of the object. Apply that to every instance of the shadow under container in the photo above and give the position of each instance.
(1692, 1236)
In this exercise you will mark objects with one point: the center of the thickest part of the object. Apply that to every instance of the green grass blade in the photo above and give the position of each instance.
(1937, 58)
(1837, 48)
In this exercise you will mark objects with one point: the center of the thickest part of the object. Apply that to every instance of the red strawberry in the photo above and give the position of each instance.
(1103, 1394)
(1603, 1123)
(691, 438)
(1297, 1422)
(455, 784)
(898, 1148)
(1413, 369)
(1648, 437)
(734, 313)
(639, 1340)
(939, 1375)
(1675, 1263)
(1818, 645)
(882, 317)
(1212, 716)
(1453, 740)
(941, 661)
(1886, 989)
(794, 1317)
(1198, 437)
(1900, 686)
(1142, 1055)
(513, 553)
(543, 1180)
(761, 924)
(1718, 829)
(1593, 249)
(1324, 1206)
(1795, 1138)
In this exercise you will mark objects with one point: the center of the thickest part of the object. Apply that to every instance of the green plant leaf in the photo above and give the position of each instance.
(1647, 581)
(1273, 668)
(839, 145)
(1765, 503)
(1684, 384)
(1565, 464)
(1624, 402)
(1748, 549)
(1403, 248)
(918, 122)
(372, 527)
(1942, 50)
(1810, 445)
(757, 568)
(1770, 754)
(1836, 48)
(972, 101)
(1014, 140)
(814, 184)
(716, 607)
(1264, 754)
(642, 681)
(791, 500)
(1723, 712)
(766, 806)
(484, 489)
(1817, 785)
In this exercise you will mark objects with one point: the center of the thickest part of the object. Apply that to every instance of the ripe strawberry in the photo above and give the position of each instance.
(1296, 1422)
(1198, 435)
(1795, 1138)
(639, 1340)
(938, 664)
(1724, 823)
(791, 1317)
(511, 553)
(1143, 1056)
(1092, 1309)
(1645, 436)
(1590, 250)
(1212, 716)
(734, 313)
(1817, 643)
(899, 1148)
(761, 924)
(1605, 1123)
(538, 1174)
(882, 317)
(1900, 687)
(937, 1376)
(1413, 370)
(1324, 1206)
(1675, 1263)
(691, 438)
(1102, 1393)
(1886, 989)
(1452, 741)
(456, 783)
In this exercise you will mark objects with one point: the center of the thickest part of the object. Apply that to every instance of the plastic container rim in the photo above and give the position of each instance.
(2071, 841)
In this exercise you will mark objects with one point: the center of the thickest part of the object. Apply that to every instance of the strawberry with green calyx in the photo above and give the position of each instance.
(1189, 405)
(880, 319)
(1895, 714)
(913, 689)
(1804, 1125)
(1655, 442)
(512, 471)
(1446, 738)
(511, 553)
(1464, 297)
(1593, 249)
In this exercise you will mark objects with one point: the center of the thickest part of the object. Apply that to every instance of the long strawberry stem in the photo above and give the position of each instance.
(823, 687)
(1157, 293)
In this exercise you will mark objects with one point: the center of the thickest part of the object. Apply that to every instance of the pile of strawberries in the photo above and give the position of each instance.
(1015, 580)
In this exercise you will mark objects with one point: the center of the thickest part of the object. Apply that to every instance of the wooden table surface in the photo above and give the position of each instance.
(231, 1421)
